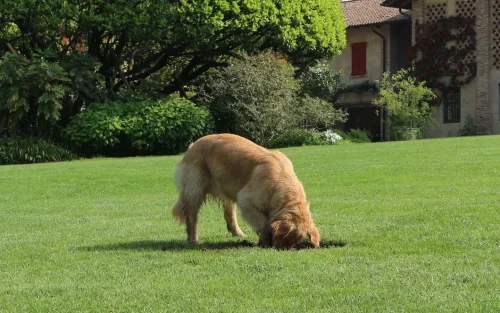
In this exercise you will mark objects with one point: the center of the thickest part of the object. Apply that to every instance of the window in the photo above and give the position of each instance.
(358, 59)
(451, 108)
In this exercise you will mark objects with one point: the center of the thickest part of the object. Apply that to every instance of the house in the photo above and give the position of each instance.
(378, 39)
(467, 68)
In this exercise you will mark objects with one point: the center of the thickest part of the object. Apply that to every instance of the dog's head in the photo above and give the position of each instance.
(292, 226)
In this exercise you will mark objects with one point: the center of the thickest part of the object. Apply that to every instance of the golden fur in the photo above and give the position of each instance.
(262, 183)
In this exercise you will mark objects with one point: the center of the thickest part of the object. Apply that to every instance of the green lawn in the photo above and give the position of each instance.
(412, 227)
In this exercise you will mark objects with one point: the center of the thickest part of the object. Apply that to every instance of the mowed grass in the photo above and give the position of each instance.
(411, 227)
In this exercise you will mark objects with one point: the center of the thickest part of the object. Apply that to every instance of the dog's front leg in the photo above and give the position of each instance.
(265, 237)
(192, 228)
(255, 217)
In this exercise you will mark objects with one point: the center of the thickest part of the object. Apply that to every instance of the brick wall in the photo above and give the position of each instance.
(417, 15)
(484, 65)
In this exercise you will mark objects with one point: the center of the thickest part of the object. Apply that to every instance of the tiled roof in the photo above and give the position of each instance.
(370, 12)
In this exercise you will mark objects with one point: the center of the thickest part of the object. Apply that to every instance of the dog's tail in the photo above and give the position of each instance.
(178, 213)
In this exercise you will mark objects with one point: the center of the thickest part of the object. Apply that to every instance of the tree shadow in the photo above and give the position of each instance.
(180, 245)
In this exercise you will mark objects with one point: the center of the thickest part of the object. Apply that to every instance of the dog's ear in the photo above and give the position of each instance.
(314, 237)
(283, 232)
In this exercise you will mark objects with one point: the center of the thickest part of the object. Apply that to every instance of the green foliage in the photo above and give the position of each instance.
(318, 90)
(252, 97)
(31, 90)
(31, 150)
(83, 87)
(470, 128)
(316, 113)
(143, 127)
(354, 136)
(407, 100)
(357, 136)
(366, 85)
(138, 50)
(135, 40)
(296, 137)
(258, 97)
(321, 81)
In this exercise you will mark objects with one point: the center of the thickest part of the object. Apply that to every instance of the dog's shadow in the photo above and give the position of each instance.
(178, 245)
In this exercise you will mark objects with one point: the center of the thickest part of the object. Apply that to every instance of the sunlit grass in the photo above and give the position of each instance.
(406, 226)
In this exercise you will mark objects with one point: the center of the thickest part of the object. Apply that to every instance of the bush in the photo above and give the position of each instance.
(470, 128)
(31, 93)
(316, 113)
(138, 128)
(353, 136)
(259, 98)
(357, 136)
(31, 150)
(35, 94)
(252, 97)
(321, 81)
(407, 100)
(296, 137)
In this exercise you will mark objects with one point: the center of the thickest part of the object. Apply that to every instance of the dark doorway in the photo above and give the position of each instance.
(366, 119)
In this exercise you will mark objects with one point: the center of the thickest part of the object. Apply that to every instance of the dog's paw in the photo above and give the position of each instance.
(239, 234)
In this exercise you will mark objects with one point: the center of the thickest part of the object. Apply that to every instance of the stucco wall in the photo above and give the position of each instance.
(467, 107)
(373, 54)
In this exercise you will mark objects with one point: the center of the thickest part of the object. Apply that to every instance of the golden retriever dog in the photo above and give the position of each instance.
(238, 172)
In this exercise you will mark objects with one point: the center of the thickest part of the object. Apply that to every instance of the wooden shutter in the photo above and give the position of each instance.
(358, 58)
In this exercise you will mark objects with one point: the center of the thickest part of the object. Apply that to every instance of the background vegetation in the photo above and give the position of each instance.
(58, 57)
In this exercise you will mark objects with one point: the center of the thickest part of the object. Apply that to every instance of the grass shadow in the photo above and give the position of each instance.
(173, 245)
(179, 245)
(324, 244)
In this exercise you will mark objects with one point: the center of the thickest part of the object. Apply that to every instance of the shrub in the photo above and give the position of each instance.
(317, 113)
(407, 100)
(354, 136)
(296, 137)
(138, 128)
(31, 93)
(31, 150)
(321, 81)
(333, 137)
(35, 94)
(470, 128)
(252, 97)
(357, 136)
(259, 98)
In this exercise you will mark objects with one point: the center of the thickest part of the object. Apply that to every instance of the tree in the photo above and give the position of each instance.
(176, 41)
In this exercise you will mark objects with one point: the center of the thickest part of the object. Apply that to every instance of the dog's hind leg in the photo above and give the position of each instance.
(186, 210)
(192, 192)
(231, 219)
(191, 210)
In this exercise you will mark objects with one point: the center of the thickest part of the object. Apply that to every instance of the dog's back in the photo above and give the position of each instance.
(222, 158)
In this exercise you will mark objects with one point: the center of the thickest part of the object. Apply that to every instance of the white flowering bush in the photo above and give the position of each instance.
(332, 137)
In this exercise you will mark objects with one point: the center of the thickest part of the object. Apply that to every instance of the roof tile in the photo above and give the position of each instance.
(369, 12)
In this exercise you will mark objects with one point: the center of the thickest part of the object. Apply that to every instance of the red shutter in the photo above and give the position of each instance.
(358, 58)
